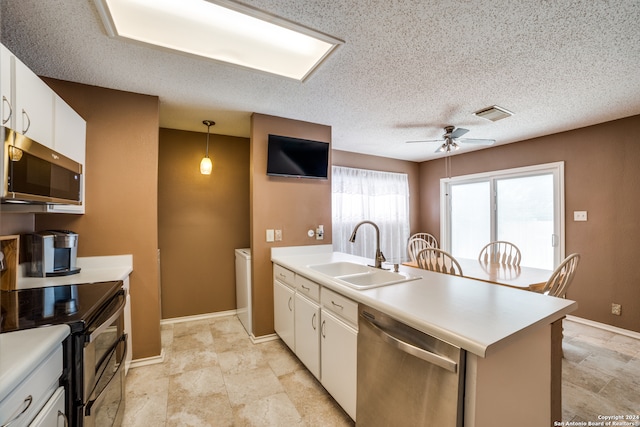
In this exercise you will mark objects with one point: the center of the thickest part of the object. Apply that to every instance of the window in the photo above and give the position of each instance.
(524, 206)
(381, 197)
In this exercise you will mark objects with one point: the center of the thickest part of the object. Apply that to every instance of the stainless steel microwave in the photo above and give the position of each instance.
(33, 173)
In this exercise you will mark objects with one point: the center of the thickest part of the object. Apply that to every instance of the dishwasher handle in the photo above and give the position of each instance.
(427, 356)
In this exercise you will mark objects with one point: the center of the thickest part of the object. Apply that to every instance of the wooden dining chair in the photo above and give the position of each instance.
(561, 278)
(415, 245)
(501, 252)
(434, 259)
(430, 238)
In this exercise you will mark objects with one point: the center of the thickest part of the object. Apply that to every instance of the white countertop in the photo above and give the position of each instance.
(92, 269)
(477, 316)
(22, 351)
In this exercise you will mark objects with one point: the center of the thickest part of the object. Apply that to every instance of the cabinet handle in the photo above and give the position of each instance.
(305, 288)
(289, 304)
(28, 400)
(24, 114)
(337, 305)
(5, 100)
(322, 329)
(64, 418)
(313, 321)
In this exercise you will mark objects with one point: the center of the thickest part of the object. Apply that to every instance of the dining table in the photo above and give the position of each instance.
(528, 278)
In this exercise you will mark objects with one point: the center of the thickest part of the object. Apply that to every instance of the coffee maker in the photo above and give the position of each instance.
(50, 253)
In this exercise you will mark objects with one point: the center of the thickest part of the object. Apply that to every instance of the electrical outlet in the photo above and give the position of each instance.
(616, 309)
(278, 235)
(579, 215)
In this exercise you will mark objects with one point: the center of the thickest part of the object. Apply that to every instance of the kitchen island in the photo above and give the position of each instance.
(510, 335)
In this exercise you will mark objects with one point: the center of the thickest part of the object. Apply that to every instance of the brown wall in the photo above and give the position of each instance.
(201, 220)
(602, 176)
(412, 169)
(292, 205)
(121, 195)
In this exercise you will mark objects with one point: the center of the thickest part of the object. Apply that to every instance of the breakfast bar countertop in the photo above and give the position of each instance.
(477, 316)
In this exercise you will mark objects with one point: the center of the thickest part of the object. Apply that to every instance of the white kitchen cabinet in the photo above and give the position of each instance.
(6, 104)
(338, 356)
(34, 102)
(28, 362)
(307, 333)
(53, 412)
(283, 314)
(320, 327)
(70, 131)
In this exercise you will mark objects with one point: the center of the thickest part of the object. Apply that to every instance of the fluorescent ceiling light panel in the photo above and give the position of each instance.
(220, 30)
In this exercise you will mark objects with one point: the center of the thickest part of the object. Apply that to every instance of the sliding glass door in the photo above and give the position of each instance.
(523, 206)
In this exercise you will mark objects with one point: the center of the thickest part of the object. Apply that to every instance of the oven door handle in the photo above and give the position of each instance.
(89, 405)
(104, 325)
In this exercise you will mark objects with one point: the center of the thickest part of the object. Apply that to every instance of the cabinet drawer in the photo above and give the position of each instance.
(284, 275)
(308, 288)
(343, 307)
(33, 392)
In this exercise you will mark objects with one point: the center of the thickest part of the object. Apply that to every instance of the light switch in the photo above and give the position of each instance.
(579, 215)
(270, 236)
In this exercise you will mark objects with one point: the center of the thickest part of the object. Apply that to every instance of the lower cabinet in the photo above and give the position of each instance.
(339, 353)
(307, 327)
(320, 327)
(283, 303)
(53, 413)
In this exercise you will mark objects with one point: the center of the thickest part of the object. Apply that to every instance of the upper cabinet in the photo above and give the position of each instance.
(6, 107)
(33, 105)
(32, 108)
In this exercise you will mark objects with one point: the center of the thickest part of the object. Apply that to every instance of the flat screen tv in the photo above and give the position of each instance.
(295, 157)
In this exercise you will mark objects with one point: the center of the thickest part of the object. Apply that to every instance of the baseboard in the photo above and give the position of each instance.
(604, 326)
(253, 338)
(198, 317)
(147, 360)
(263, 338)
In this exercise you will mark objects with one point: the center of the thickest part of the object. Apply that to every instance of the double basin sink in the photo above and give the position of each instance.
(360, 276)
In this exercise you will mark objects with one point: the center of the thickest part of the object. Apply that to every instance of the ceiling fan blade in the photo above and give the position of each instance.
(428, 140)
(477, 141)
(457, 133)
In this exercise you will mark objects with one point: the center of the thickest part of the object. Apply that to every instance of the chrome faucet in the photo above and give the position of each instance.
(379, 256)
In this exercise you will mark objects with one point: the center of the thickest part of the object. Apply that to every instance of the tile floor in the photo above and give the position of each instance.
(214, 376)
(600, 375)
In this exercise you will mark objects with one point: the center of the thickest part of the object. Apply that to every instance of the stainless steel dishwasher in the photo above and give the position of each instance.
(406, 377)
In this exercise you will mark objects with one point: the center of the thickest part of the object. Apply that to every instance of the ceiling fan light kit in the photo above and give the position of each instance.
(493, 113)
(451, 140)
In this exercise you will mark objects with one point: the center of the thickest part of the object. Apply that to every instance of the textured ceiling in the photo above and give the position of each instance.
(407, 68)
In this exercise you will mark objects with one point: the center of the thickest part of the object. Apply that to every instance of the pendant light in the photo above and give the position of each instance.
(205, 164)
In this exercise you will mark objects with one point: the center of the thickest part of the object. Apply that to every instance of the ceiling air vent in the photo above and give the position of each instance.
(493, 113)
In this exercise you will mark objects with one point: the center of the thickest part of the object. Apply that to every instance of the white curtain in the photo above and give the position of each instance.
(381, 197)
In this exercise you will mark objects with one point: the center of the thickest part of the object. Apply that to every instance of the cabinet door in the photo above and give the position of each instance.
(283, 306)
(70, 131)
(52, 414)
(6, 103)
(339, 353)
(69, 138)
(307, 327)
(34, 105)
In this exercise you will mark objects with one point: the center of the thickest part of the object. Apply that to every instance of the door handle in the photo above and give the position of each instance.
(427, 356)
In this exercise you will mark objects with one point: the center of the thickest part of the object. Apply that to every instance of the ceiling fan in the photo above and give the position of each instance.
(451, 140)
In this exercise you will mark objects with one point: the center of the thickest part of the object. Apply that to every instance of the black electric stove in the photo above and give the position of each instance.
(74, 305)
(90, 371)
